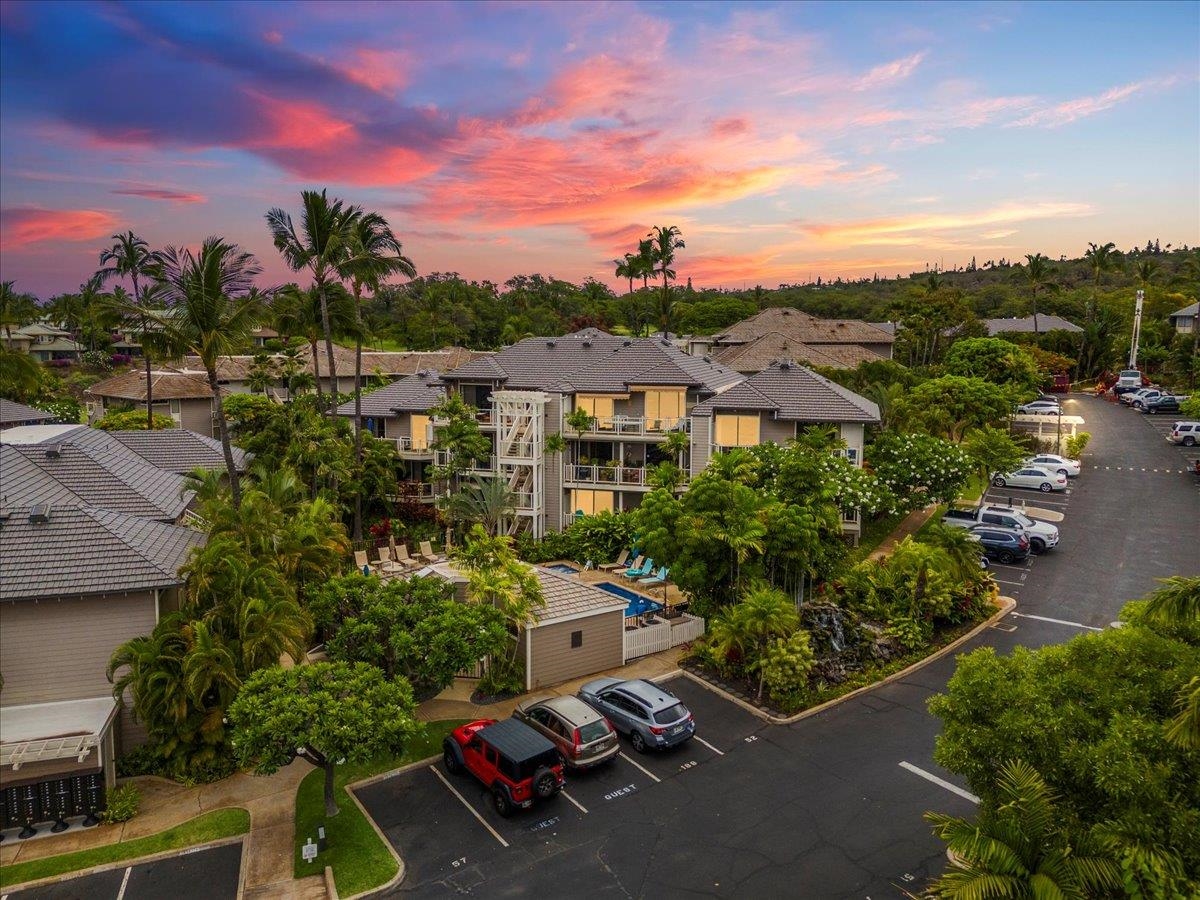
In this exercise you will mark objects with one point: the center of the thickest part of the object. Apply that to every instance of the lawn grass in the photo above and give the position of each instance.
(973, 489)
(360, 860)
(211, 826)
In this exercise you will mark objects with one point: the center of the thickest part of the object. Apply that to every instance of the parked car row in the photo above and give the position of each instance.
(1153, 400)
(523, 759)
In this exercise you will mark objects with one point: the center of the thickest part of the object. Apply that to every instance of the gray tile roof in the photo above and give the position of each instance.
(12, 412)
(650, 361)
(103, 472)
(416, 393)
(538, 363)
(756, 355)
(83, 550)
(1025, 325)
(793, 393)
(1186, 311)
(566, 597)
(169, 384)
(803, 327)
(179, 450)
(23, 484)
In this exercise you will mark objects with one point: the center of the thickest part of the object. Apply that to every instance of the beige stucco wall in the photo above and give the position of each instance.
(59, 649)
(553, 660)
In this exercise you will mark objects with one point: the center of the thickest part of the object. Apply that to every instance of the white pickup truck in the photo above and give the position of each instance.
(1042, 535)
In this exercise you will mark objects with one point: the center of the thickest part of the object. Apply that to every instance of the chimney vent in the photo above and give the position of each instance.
(551, 343)
(40, 514)
(54, 451)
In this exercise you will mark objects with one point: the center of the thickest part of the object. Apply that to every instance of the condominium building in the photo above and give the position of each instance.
(615, 402)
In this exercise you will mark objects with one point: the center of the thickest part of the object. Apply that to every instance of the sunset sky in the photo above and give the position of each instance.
(786, 140)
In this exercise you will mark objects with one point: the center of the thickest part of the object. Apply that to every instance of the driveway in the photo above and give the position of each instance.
(831, 806)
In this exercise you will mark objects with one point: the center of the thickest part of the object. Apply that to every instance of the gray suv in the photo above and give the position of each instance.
(651, 715)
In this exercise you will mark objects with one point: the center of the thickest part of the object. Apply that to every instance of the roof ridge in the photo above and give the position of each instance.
(96, 514)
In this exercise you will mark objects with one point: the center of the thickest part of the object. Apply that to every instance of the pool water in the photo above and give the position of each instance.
(564, 569)
(639, 604)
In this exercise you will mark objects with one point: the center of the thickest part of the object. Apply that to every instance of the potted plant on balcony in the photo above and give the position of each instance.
(580, 420)
(610, 470)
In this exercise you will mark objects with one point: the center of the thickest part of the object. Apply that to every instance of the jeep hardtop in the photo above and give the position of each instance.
(513, 761)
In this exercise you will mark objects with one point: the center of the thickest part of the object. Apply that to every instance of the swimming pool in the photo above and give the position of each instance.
(564, 569)
(639, 604)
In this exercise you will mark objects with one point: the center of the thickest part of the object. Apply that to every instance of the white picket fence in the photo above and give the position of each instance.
(662, 634)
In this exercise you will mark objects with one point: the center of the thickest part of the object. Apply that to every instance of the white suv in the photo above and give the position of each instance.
(1186, 433)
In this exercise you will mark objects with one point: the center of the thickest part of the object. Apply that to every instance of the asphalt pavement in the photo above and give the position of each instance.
(831, 806)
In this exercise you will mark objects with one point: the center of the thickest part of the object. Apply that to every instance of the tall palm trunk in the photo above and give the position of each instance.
(333, 383)
(235, 485)
(317, 373)
(146, 357)
(358, 442)
(1036, 331)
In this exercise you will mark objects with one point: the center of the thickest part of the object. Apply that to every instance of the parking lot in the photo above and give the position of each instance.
(831, 806)
(192, 875)
(1185, 456)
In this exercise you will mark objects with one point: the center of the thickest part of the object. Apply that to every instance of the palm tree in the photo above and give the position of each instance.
(130, 257)
(646, 261)
(1177, 601)
(322, 245)
(666, 241)
(297, 312)
(1102, 258)
(374, 255)
(750, 625)
(885, 396)
(1016, 850)
(213, 308)
(15, 309)
(1184, 729)
(627, 268)
(20, 374)
(1146, 271)
(1036, 275)
(488, 501)
(958, 544)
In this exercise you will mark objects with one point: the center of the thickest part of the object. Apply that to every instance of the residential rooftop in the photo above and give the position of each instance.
(802, 327)
(1024, 325)
(758, 354)
(414, 393)
(795, 393)
(12, 413)
(168, 384)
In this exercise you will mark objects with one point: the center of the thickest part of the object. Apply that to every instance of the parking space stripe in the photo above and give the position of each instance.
(579, 806)
(1013, 583)
(640, 768)
(697, 737)
(472, 810)
(940, 782)
(1056, 621)
(124, 884)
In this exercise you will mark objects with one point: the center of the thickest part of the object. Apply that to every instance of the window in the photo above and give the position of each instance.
(736, 431)
(600, 407)
(670, 714)
(540, 716)
(576, 639)
(420, 432)
(591, 502)
(664, 408)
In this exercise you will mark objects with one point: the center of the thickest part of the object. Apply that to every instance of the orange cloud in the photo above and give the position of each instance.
(24, 225)
(152, 193)
(295, 124)
(383, 71)
(906, 229)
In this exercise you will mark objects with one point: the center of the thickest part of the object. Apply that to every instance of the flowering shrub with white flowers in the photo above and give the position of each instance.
(919, 468)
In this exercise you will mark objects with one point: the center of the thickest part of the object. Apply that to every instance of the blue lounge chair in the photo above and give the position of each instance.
(646, 568)
(659, 577)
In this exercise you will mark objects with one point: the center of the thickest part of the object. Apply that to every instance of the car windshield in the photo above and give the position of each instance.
(670, 714)
(1023, 519)
(593, 731)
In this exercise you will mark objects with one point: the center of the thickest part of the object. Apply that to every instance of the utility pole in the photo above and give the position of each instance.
(1137, 329)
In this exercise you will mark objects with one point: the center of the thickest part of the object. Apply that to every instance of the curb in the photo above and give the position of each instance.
(126, 863)
(1007, 605)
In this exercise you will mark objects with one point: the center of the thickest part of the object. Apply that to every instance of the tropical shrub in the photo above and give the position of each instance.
(785, 665)
(413, 629)
(133, 420)
(920, 468)
(122, 804)
(1076, 444)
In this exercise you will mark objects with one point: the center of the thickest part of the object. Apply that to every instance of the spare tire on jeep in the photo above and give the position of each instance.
(545, 783)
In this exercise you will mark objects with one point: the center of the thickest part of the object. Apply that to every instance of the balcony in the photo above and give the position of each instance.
(412, 490)
(475, 467)
(404, 446)
(615, 475)
(634, 426)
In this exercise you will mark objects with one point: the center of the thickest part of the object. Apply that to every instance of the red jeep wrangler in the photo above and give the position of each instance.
(512, 760)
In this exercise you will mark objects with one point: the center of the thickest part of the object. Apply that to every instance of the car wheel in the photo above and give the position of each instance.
(1189, 442)
(453, 766)
(1005, 556)
(997, 481)
(1064, 473)
(500, 801)
(544, 783)
(639, 742)
(1037, 545)
(1046, 487)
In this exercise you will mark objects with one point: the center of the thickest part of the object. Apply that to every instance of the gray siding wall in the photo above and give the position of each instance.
(398, 426)
(59, 649)
(775, 430)
(884, 350)
(553, 660)
(852, 434)
(552, 491)
(197, 415)
(701, 443)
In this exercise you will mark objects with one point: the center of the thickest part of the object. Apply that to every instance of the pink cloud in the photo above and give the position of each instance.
(24, 225)
(1072, 110)
(889, 73)
(152, 193)
(273, 37)
(731, 126)
(383, 71)
(916, 228)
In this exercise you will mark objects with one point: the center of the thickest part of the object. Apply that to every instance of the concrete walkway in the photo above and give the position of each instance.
(910, 524)
(455, 701)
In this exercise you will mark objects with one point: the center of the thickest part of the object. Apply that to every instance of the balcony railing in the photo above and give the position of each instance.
(421, 490)
(635, 426)
(604, 474)
(405, 445)
(477, 466)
